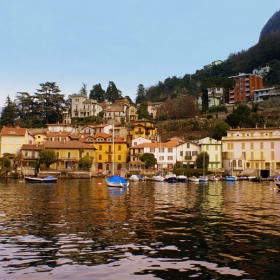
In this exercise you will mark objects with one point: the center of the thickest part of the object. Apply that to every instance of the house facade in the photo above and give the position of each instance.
(214, 149)
(187, 153)
(251, 151)
(243, 89)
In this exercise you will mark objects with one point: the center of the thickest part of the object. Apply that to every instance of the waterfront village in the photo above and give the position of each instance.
(114, 148)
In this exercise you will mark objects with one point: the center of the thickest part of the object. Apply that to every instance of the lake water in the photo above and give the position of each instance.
(81, 229)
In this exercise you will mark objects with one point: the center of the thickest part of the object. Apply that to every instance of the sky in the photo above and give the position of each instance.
(129, 42)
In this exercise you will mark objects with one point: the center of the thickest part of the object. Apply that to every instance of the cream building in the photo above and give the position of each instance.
(252, 152)
(214, 149)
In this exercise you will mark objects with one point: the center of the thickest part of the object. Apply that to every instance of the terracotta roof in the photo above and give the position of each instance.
(13, 131)
(169, 144)
(58, 133)
(101, 134)
(32, 147)
(66, 145)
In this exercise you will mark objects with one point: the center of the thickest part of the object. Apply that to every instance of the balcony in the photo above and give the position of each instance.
(188, 157)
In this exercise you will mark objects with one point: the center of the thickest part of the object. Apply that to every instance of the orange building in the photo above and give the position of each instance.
(245, 84)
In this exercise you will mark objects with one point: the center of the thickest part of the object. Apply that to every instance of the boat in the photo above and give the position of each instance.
(117, 181)
(48, 179)
(182, 178)
(231, 178)
(193, 179)
(133, 178)
(251, 178)
(214, 178)
(171, 178)
(158, 178)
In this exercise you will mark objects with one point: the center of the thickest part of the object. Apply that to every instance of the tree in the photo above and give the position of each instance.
(140, 94)
(202, 160)
(220, 130)
(48, 157)
(112, 93)
(233, 120)
(85, 162)
(9, 113)
(97, 93)
(49, 103)
(143, 111)
(83, 90)
(149, 160)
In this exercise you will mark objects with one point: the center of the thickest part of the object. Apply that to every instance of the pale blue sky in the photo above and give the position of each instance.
(125, 41)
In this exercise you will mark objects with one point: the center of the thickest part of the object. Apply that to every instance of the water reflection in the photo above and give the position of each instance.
(81, 229)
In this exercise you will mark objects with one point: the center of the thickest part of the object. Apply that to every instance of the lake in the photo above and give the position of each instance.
(81, 229)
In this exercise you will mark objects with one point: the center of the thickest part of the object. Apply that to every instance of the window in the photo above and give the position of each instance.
(161, 150)
(26, 153)
(170, 158)
(272, 145)
(272, 155)
(161, 158)
(240, 163)
(251, 145)
(135, 143)
(243, 146)
(69, 154)
(181, 153)
(194, 153)
(261, 145)
(152, 150)
(119, 147)
(119, 157)
(188, 145)
(100, 148)
(188, 153)
(170, 150)
(100, 157)
(57, 154)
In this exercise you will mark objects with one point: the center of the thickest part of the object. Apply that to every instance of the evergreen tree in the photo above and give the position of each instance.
(97, 93)
(141, 94)
(9, 113)
(83, 90)
(112, 93)
(143, 111)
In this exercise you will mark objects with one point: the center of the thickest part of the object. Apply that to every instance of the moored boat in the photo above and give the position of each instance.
(133, 178)
(214, 178)
(231, 178)
(171, 178)
(203, 179)
(158, 178)
(277, 183)
(117, 181)
(48, 179)
(182, 178)
(193, 179)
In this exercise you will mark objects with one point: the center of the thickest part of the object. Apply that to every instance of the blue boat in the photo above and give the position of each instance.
(48, 179)
(231, 178)
(117, 181)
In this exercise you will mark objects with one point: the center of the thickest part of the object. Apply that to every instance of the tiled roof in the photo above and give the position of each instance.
(13, 131)
(66, 145)
(169, 144)
(32, 147)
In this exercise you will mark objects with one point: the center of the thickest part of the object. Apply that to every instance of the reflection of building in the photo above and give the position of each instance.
(250, 151)
(243, 89)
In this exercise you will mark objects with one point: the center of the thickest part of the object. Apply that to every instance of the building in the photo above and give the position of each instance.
(142, 128)
(252, 151)
(214, 150)
(265, 93)
(215, 96)
(12, 139)
(111, 154)
(82, 107)
(243, 89)
(186, 154)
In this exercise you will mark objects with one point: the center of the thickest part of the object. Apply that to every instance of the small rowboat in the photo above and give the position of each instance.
(48, 179)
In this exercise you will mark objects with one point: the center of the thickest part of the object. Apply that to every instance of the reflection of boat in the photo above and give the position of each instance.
(48, 179)
(171, 178)
(193, 179)
(182, 178)
(134, 178)
(231, 178)
(117, 181)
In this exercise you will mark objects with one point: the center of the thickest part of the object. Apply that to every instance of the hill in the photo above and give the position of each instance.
(272, 26)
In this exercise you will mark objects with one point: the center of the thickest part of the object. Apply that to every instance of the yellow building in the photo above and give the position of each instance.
(142, 128)
(69, 153)
(12, 139)
(110, 155)
(252, 151)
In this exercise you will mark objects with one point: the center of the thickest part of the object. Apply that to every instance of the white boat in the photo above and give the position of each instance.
(48, 179)
(158, 178)
(171, 178)
(182, 178)
(193, 179)
(251, 178)
(133, 178)
(214, 178)
(203, 179)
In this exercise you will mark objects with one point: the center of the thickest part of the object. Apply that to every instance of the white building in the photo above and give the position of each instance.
(186, 153)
